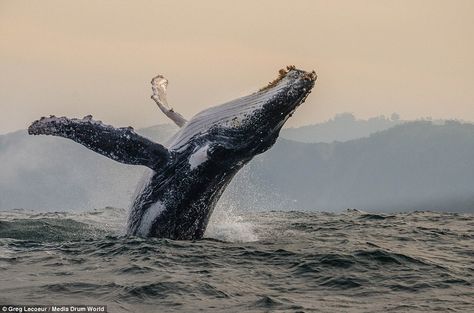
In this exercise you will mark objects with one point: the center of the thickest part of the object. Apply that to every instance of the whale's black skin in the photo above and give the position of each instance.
(187, 178)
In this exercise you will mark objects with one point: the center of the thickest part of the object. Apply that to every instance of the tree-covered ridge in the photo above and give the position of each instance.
(411, 166)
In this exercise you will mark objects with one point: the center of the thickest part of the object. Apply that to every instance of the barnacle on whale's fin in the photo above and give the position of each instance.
(120, 144)
(159, 84)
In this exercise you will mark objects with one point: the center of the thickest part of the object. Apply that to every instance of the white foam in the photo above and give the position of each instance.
(198, 157)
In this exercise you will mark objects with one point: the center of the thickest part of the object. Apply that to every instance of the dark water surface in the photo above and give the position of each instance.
(260, 262)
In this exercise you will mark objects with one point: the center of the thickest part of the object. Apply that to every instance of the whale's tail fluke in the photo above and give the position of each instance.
(120, 144)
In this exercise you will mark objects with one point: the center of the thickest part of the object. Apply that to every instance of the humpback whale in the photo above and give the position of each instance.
(186, 177)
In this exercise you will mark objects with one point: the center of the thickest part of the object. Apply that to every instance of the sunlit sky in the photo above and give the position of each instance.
(376, 57)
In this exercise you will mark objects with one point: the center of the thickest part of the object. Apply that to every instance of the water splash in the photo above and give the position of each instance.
(228, 225)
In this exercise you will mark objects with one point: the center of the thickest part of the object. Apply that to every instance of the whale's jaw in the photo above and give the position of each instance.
(208, 151)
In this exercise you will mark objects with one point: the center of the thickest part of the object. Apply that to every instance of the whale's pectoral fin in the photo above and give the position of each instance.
(119, 144)
(158, 85)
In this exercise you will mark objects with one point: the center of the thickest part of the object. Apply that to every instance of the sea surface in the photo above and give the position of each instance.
(250, 262)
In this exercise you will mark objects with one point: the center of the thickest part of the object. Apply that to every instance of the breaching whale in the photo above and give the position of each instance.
(187, 177)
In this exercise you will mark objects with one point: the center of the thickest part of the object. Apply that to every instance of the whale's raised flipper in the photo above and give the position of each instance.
(120, 144)
(158, 85)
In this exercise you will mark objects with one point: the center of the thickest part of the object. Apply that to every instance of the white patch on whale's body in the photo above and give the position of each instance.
(149, 217)
(198, 157)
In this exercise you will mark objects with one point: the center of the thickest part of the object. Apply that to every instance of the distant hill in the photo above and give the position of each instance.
(342, 127)
(159, 133)
(412, 166)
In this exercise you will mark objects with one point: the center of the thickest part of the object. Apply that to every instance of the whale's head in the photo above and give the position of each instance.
(250, 125)
(272, 106)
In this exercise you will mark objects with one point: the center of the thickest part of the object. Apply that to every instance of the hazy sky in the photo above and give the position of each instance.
(97, 57)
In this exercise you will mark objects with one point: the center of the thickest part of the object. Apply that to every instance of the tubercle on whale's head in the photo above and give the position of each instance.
(282, 73)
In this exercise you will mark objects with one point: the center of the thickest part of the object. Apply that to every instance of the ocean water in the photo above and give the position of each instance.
(250, 262)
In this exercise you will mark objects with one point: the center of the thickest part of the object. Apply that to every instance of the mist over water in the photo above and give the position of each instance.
(258, 262)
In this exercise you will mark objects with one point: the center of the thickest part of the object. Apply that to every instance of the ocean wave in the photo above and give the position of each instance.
(47, 229)
(294, 261)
